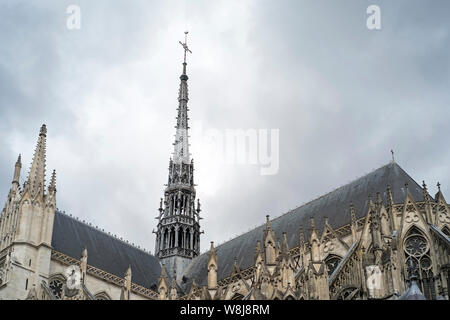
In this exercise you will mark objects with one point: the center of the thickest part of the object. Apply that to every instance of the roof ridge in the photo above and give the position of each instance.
(308, 202)
(335, 189)
(88, 224)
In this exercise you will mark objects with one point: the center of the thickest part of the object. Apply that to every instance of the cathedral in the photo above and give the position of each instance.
(382, 236)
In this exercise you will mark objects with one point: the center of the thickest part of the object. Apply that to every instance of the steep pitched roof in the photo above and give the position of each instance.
(105, 252)
(334, 205)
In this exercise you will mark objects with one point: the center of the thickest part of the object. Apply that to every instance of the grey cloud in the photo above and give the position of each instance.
(341, 95)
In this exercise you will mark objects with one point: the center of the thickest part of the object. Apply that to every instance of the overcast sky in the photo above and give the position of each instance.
(341, 95)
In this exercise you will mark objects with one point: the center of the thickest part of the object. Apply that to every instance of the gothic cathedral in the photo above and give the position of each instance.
(382, 236)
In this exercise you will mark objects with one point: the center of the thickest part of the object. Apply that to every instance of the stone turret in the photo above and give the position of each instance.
(26, 224)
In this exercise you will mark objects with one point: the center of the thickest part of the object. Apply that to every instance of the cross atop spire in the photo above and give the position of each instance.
(185, 47)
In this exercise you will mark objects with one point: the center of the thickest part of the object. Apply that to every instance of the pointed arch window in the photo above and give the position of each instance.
(56, 286)
(418, 260)
(332, 261)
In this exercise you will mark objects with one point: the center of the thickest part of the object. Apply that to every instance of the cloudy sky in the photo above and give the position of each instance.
(341, 95)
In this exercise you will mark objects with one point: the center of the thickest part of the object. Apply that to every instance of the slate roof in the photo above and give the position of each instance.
(334, 205)
(105, 252)
(413, 292)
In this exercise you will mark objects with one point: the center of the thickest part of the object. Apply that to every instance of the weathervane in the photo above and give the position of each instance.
(185, 47)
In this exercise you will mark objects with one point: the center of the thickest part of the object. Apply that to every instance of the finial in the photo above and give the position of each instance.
(267, 222)
(285, 245)
(379, 198)
(84, 253)
(370, 202)
(389, 194)
(352, 212)
(17, 168)
(325, 220)
(128, 272)
(301, 235)
(406, 187)
(311, 219)
(439, 186)
(163, 271)
(43, 131)
(425, 191)
(52, 185)
(392, 153)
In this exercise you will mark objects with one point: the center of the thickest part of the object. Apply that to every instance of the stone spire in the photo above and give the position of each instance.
(352, 213)
(301, 236)
(428, 207)
(426, 196)
(17, 168)
(284, 244)
(181, 144)
(36, 177)
(269, 244)
(212, 267)
(83, 264)
(390, 203)
(173, 292)
(390, 196)
(36, 219)
(163, 284)
(52, 185)
(126, 287)
(314, 241)
(178, 235)
(258, 252)
(353, 223)
(439, 196)
(236, 268)
(379, 201)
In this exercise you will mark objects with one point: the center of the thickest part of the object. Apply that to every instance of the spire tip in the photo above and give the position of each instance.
(43, 130)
